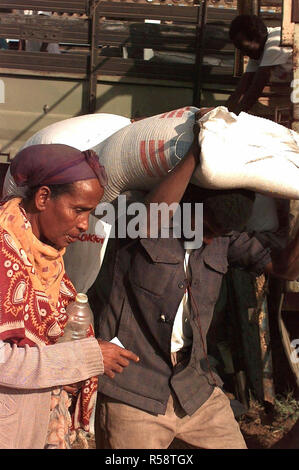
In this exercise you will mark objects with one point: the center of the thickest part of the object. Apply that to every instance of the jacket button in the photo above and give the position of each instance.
(163, 318)
(181, 285)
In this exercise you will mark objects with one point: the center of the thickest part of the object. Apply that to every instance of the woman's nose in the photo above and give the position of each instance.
(83, 223)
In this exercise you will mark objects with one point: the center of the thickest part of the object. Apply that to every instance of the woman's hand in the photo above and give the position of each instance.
(115, 358)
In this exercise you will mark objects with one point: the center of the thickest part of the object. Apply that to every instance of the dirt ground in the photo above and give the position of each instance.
(266, 427)
(263, 427)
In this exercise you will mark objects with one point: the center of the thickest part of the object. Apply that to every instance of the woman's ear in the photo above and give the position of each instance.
(42, 197)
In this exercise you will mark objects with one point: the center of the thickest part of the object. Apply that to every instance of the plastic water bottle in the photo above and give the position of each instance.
(79, 318)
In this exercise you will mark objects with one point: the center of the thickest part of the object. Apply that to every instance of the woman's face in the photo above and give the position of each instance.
(65, 217)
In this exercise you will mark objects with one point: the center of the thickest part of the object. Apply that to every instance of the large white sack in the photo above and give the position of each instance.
(84, 257)
(250, 152)
(81, 132)
(236, 152)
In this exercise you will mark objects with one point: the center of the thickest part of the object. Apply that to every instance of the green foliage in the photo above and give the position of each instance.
(287, 406)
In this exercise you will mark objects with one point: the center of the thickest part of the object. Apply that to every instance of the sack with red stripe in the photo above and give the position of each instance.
(139, 155)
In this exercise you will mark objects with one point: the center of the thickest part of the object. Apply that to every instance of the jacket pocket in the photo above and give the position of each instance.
(153, 266)
(216, 262)
(215, 268)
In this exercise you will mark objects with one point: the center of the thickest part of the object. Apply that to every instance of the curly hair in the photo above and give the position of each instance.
(251, 26)
(230, 209)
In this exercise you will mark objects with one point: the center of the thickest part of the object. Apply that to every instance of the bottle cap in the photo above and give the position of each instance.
(82, 298)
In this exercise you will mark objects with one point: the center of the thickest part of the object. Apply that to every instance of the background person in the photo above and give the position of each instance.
(268, 60)
(36, 45)
(62, 186)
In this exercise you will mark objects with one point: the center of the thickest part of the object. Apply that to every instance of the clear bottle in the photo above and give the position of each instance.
(79, 318)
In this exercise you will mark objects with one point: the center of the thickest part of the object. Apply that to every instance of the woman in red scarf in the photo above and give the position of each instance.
(62, 186)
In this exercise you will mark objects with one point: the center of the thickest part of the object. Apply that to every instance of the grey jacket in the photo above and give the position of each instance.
(136, 297)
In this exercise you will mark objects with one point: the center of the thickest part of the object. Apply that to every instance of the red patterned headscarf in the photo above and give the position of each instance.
(47, 164)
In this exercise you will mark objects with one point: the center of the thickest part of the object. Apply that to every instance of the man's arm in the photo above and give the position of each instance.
(254, 89)
(171, 188)
(174, 184)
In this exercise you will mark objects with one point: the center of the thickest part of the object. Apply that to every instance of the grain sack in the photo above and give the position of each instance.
(236, 152)
(139, 155)
(81, 132)
(84, 258)
(249, 152)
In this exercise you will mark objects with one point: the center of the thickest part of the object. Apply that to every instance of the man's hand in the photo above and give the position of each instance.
(135, 119)
(202, 111)
(115, 358)
(254, 89)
